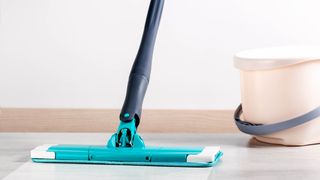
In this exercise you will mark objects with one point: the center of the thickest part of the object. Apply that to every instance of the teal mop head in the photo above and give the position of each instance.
(126, 147)
(122, 150)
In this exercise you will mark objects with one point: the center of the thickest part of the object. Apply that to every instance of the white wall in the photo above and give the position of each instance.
(78, 53)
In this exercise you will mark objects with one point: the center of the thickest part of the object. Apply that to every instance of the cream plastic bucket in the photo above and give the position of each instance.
(281, 84)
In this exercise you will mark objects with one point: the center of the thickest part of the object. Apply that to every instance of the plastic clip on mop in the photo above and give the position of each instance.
(126, 147)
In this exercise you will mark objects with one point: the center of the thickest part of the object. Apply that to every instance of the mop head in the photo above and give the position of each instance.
(145, 156)
(126, 147)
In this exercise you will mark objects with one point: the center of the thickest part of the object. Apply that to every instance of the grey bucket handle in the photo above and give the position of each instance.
(263, 129)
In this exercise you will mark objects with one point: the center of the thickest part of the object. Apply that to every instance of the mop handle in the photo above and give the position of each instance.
(140, 71)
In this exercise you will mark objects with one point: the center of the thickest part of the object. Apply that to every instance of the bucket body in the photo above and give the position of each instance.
(280, 93)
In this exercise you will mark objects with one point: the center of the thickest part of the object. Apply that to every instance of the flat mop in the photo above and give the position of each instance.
(126, 147)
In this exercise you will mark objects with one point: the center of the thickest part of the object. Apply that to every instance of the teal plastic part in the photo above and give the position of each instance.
(147, 156)
(126, 147)
(126, 115)
(126, 136)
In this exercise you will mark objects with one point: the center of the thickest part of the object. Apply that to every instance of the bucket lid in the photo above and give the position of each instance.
(275, 57)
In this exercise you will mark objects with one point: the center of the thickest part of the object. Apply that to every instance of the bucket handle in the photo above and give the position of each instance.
(263, 129)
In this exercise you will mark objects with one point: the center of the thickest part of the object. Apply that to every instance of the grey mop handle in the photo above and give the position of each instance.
(141, 69)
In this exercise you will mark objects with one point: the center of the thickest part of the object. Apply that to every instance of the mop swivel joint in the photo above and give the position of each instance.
(126, 136)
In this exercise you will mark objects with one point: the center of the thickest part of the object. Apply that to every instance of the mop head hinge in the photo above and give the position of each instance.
(126, 136)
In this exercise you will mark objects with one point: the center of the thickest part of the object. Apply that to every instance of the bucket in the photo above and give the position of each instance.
(280, 94)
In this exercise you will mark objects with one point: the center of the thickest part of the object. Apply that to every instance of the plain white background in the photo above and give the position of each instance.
(78, 53)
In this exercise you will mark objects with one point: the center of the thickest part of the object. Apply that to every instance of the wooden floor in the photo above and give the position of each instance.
(106, 120)
(244, 158)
